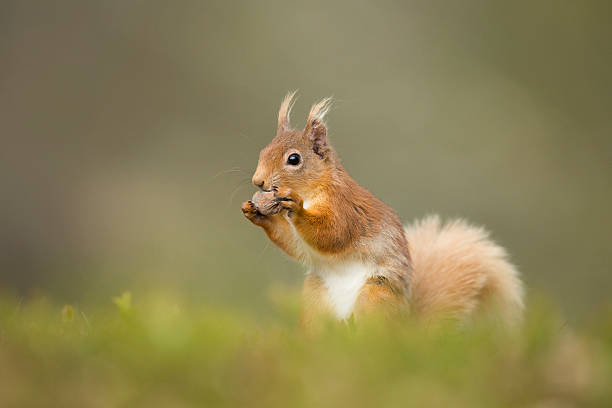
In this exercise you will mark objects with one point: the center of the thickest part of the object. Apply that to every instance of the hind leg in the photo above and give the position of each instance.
(378, 297)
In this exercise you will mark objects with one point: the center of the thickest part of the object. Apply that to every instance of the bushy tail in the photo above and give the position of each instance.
(458, 271)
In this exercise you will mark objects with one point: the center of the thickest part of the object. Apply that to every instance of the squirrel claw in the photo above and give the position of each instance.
(288, 199)
(252, 214)
(249, 209)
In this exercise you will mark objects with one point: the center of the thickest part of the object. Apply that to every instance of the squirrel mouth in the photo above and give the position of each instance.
(272, 189)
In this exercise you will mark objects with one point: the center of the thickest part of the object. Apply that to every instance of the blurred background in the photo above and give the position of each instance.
(130, 131)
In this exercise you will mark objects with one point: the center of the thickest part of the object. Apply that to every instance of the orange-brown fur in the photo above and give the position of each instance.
(378, 295)
(314, 305)
(328, 219)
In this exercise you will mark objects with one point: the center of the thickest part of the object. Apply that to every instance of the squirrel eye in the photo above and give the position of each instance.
(294, 159)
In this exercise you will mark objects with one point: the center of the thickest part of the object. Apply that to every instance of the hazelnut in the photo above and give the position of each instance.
(265, 202)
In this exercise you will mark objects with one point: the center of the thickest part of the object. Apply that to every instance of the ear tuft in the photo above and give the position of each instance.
(319, 110)
(315, 127)
(285, 111)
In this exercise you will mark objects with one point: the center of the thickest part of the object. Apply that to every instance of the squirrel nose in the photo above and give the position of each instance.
(258, 182)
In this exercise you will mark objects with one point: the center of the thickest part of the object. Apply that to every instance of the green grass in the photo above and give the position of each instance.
(163, 351)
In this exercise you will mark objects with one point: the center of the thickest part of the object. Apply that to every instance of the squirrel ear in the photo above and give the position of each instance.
(285, 111)
(316, 131)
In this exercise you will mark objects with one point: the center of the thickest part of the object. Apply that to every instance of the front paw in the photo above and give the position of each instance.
(289, 200)
(252, 214)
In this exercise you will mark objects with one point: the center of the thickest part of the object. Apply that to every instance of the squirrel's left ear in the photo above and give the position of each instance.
(315, 130)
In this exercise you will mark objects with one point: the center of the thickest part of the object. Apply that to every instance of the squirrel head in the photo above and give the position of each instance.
(297, 159)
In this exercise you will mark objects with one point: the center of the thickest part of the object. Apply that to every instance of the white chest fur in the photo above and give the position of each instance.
(343, 280)
(343, 283)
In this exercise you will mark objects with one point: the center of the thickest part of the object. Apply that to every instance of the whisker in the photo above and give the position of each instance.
(245, 136)
(231, 199)
(259, 258)
(232, 170)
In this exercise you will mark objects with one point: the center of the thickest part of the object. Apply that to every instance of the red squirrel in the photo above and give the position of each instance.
(360, 258)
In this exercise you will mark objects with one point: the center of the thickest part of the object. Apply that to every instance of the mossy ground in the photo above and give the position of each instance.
(162, 351)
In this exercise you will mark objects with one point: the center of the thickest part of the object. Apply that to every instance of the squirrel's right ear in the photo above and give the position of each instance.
(285, 111)
(316, 131)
